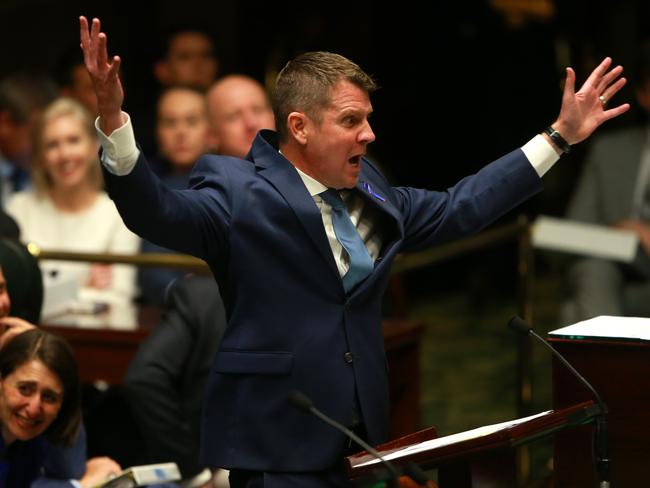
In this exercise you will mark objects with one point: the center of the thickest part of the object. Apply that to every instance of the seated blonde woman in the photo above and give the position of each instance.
(67, 209)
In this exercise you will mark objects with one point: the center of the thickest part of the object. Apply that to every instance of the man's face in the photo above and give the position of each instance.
(30, 400)
(238, 109)
(335, 144)
(191, 61)
(5, 303)
(182, 127)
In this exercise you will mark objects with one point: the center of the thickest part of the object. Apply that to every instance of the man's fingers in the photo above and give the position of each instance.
(85, 39)
(598, 73)
(570, 82)
(609, 93)
(608, 79)
(83, 32)
(616, 111)
(114, 70)
(102, 54)
(94, 30)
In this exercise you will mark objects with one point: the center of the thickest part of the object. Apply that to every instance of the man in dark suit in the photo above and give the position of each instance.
(166, 379)
(302, 296)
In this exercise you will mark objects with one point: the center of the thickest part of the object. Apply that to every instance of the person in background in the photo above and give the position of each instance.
(182, 134)
(67, 209)
(189, 59)
(238, 108)
(166, 378)
(40, 410)
(62, 466)
(614, 190)
(22, 97)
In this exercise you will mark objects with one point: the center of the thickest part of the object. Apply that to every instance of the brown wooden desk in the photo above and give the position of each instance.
(104, 350)
(620, 372)
(104, 354)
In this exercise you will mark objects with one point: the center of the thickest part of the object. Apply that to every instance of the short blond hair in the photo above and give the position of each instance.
(305, 85)
(62, 107)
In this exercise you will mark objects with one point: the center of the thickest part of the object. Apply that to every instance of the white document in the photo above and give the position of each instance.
(606, 326)
(451, 439)
(149, 474)
(577, 237)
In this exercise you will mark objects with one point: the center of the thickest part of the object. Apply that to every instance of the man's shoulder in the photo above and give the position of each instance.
(222, 169)
(223, 163)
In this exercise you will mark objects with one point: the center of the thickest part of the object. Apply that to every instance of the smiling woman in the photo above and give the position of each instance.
(67, 209)
(39, 403)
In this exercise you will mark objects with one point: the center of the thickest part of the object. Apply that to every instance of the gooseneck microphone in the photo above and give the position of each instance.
(304, 403)
(601, 448)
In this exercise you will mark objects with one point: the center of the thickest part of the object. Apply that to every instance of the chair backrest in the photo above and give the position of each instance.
(24, 281)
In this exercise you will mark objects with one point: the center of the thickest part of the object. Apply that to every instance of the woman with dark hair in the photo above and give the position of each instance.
(40, 403)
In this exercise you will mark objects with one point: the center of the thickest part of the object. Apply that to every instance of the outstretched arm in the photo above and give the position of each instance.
(104, 75)
(583, 111)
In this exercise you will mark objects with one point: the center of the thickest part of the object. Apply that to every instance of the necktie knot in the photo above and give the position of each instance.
(333, 199)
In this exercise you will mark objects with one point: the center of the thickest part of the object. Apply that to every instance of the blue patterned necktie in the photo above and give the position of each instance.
(361, 263)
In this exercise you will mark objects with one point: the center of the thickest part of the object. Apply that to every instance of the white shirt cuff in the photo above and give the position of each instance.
(120, 152)
(540, 153)
(75, 483)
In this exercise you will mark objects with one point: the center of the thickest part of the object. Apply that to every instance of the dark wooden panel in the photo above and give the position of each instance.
(620, 372)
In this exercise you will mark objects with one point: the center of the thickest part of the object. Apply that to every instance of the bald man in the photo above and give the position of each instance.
(238, 108)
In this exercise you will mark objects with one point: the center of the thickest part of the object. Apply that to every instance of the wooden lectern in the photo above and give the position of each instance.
(620, 372)
(472, 458)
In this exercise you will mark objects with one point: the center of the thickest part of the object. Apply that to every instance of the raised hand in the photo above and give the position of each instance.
(10, 327)
(583, 111)
(104, 75)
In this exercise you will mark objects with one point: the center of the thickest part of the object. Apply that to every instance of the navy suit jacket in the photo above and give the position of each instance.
(290, 322)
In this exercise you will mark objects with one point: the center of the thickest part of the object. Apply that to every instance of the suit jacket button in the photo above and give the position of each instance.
(349, 357)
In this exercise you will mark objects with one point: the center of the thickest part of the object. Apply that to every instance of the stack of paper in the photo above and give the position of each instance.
(149, 474)
(605, 326)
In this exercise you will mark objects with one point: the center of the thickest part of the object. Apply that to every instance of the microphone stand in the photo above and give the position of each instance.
(600, 444)
(601, 451)
(302, 402)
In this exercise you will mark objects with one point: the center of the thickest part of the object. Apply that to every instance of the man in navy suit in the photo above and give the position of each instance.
(267, 227)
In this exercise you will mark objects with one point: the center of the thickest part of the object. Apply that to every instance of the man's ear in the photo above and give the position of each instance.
(298, 125)
(161, 72)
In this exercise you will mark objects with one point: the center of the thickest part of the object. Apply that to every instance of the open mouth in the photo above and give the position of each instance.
(355, 160)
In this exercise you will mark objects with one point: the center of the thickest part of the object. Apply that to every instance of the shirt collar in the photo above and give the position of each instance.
(314, 187)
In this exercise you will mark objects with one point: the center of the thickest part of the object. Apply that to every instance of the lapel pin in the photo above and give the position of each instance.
(371, 192)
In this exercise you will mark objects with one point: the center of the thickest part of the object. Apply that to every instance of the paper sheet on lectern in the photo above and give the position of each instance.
(451, 439)
(606, 326)
(587, 239)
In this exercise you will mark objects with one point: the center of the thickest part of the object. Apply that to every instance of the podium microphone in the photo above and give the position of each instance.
(304, 403)
(600, 435)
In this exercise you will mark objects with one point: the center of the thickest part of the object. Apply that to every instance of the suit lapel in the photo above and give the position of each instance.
(376, 194)
(280, 173)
